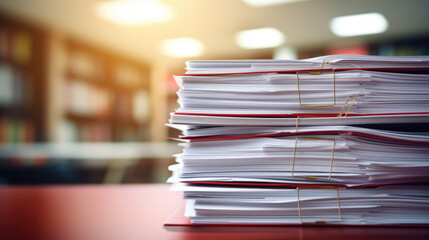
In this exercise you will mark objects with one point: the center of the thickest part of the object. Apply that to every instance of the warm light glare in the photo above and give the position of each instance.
(361, 24)
(182, 47)
(285, 53)
(133, 12)
(264, 3)
(260, 38)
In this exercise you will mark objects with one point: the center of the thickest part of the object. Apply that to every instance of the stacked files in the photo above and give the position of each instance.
(336, 62)
(282, 142)
(344, 159)
(276, 93)
(385, 205)
(212, 97)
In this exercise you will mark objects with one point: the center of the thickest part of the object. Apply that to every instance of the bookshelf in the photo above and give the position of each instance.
(58, 89)
(172, 104)
(22, 81)
(105, 97)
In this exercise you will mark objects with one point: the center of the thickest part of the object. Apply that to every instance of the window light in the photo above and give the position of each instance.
(182, 47)
(361, 24)
(260, 38)
(133, 12)
(265, 3)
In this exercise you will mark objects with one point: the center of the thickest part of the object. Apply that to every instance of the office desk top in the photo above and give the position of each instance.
(138, 212)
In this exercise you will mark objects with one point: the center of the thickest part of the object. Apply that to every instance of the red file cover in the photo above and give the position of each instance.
(303, 115)
(178, 219)
(395, 69)
(324, 119)
(213, 138)
(294, 185)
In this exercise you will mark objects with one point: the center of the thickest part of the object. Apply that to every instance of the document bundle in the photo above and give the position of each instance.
(337, 140)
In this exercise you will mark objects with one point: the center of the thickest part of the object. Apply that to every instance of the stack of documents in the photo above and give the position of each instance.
(279, 142)
(284, 93)
(354, 157)
(371, 206)
(336, 62)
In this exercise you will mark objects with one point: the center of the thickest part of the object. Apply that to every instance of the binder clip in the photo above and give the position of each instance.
(317, 73)
(340, 218)
(313, 139)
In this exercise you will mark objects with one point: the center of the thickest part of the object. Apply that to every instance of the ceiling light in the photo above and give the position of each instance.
(361, 24)
(264, 3)
(133, 12)
(260, 38)
(182, 47)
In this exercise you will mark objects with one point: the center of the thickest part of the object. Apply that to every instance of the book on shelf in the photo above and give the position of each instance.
(14, 130)
(71, 131)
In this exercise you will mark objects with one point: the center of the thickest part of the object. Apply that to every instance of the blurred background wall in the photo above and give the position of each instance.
(86, 85)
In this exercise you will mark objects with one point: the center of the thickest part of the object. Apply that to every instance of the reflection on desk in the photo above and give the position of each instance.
(138, 212)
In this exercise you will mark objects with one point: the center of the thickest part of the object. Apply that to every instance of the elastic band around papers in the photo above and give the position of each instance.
(348, 110)
(316, 73)
(297, 121)
(319, 221)
(313, 139)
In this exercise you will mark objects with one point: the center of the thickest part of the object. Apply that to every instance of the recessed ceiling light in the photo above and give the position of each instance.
(260, 38)
(182, 47)
(133, 12)
(361, 24)
(264, 3)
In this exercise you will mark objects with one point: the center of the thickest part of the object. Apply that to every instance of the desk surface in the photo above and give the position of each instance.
(138, 212)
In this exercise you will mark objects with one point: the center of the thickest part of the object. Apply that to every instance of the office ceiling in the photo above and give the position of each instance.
(215, 22)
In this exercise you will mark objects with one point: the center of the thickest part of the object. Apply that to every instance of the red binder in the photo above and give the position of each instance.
(367, 135)
(178, 219)
(385, 69)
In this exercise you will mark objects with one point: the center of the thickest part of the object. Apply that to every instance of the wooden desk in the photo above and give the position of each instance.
(130, 212)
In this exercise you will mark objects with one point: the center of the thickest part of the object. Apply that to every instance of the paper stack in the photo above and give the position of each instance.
(282, 142)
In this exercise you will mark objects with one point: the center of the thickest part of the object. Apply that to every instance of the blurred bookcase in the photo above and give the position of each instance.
(104, 97)
(59, 92)
(171, 100)
(22, 82)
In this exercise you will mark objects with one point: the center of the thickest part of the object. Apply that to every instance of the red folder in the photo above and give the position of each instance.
(305, 119)
(301, 115)
(304, 185)
(374, 136)
(178, 219)
(390, 69)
